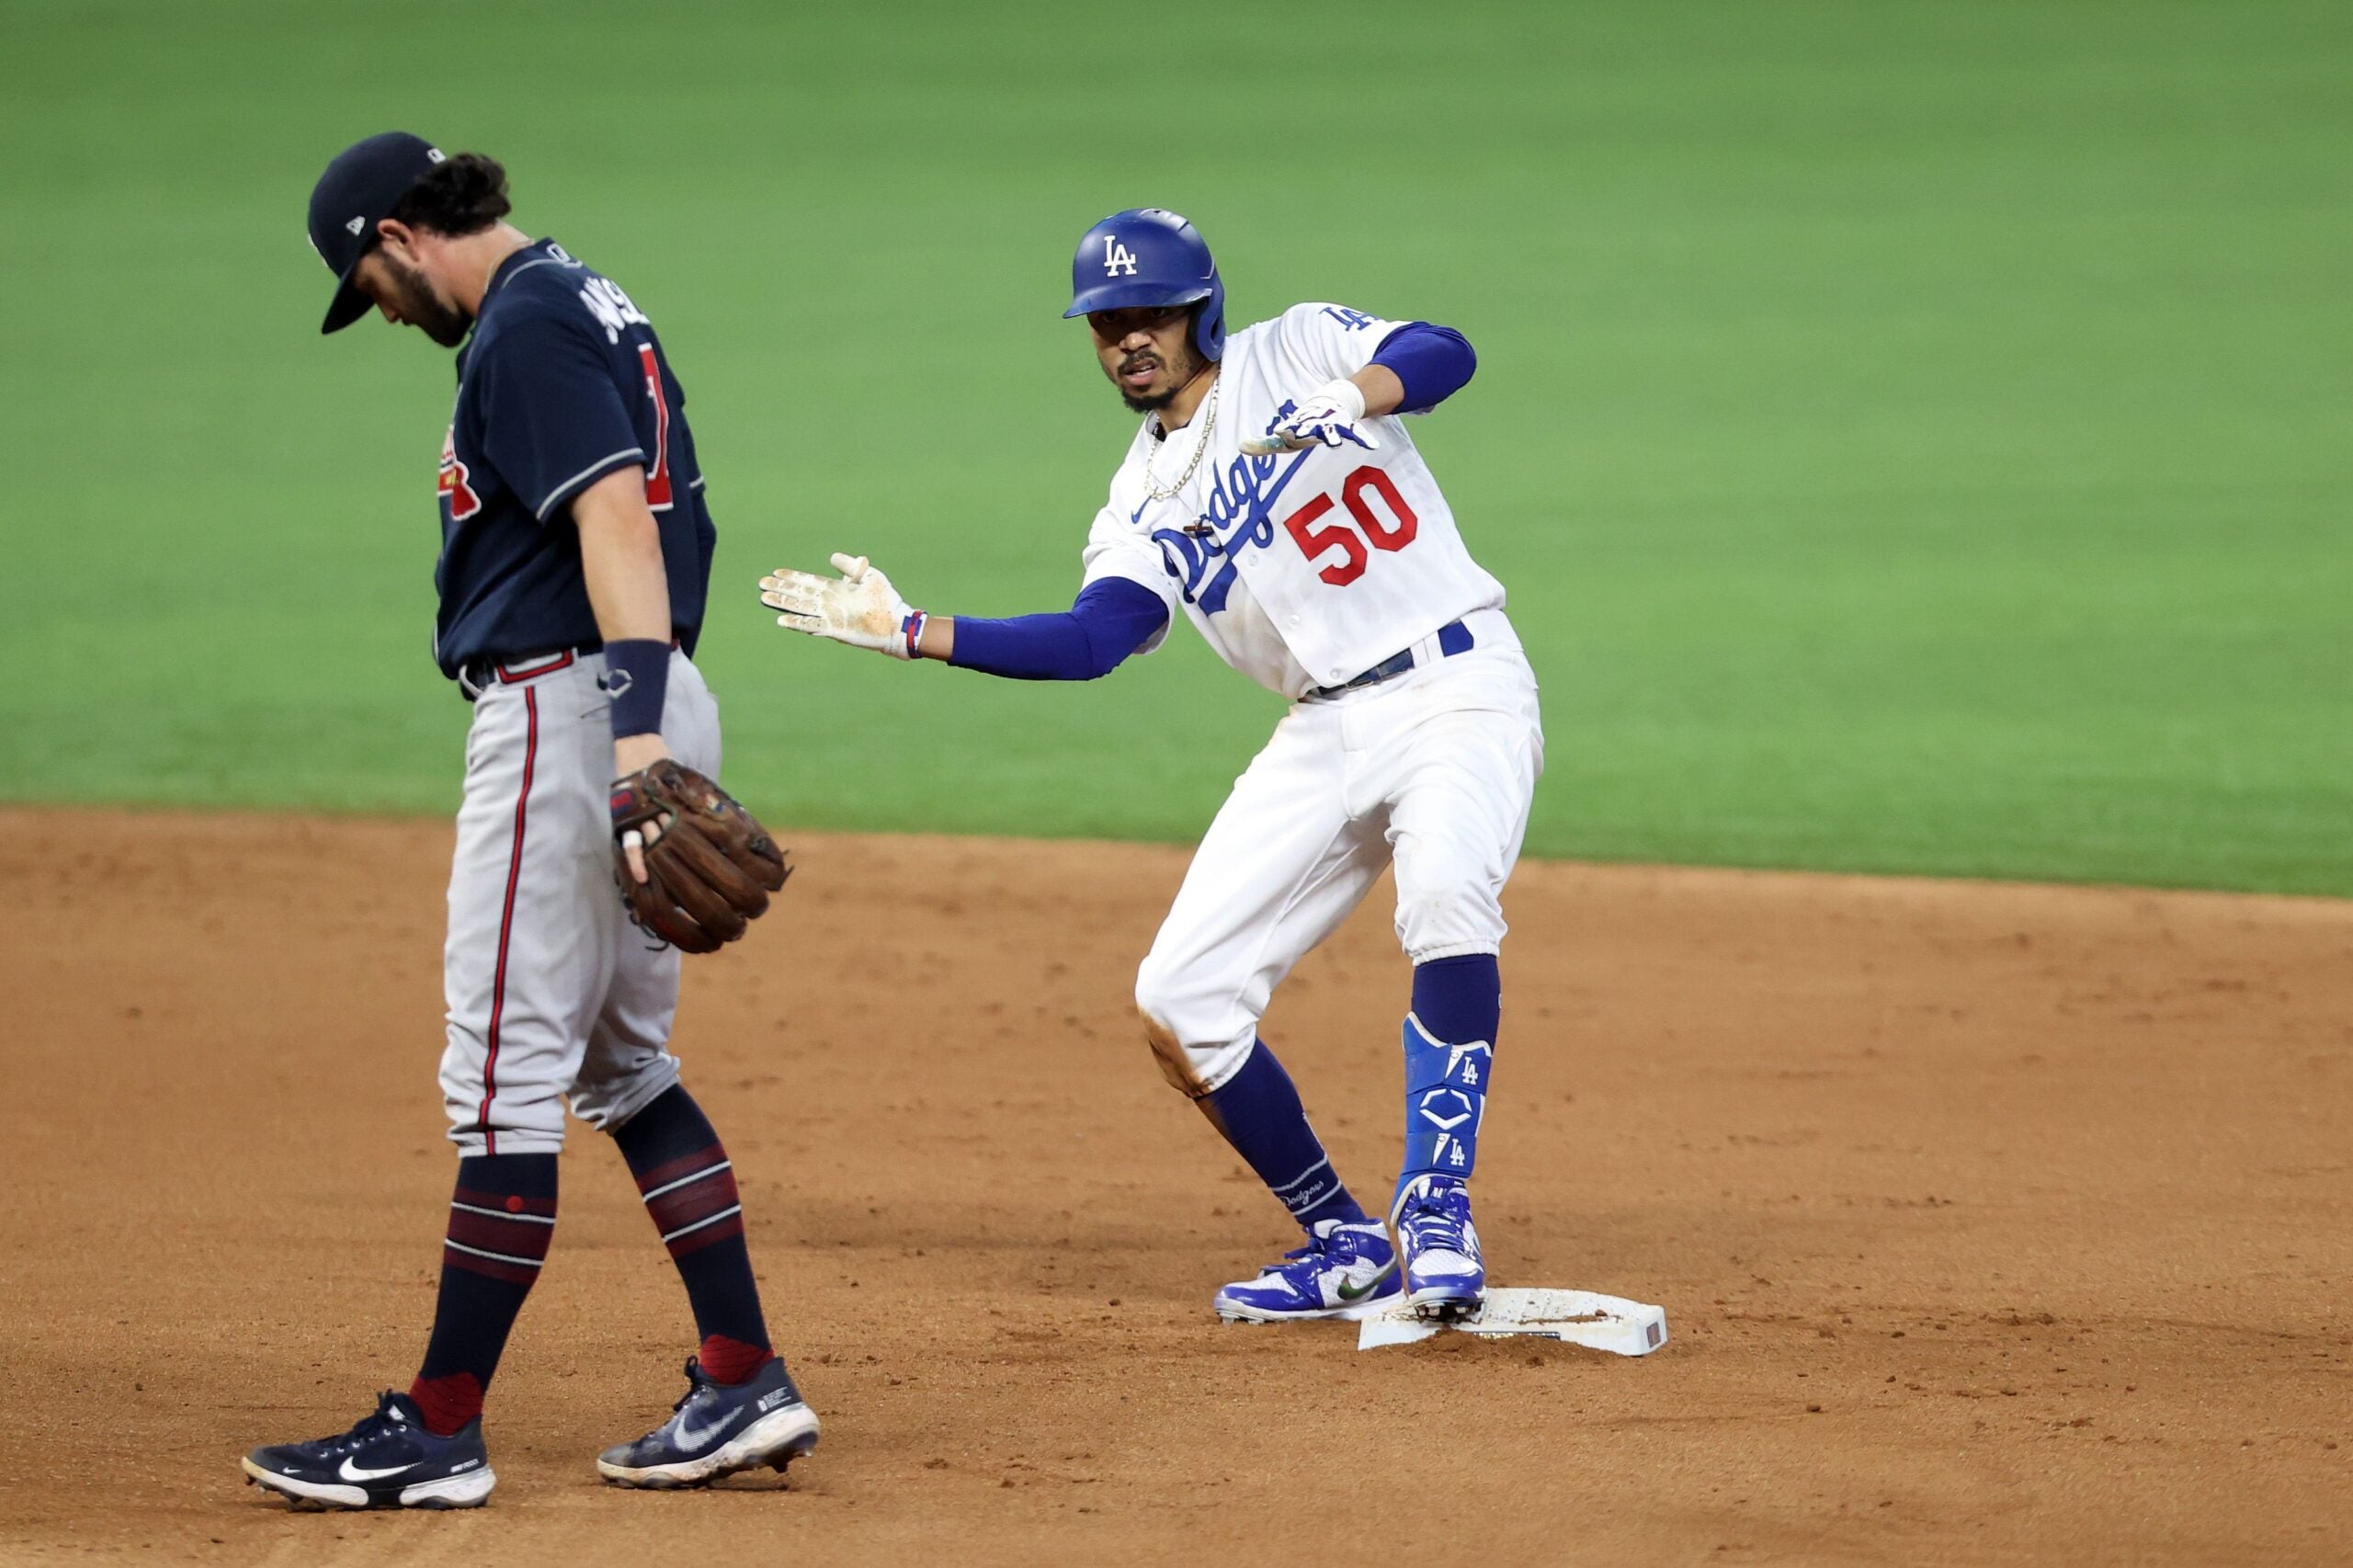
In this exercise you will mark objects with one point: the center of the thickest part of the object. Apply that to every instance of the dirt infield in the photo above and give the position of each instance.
(1994, 1224)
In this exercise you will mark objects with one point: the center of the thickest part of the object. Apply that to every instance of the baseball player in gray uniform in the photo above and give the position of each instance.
(576, 554)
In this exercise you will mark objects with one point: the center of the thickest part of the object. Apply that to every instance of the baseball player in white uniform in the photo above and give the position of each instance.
(1273, 494)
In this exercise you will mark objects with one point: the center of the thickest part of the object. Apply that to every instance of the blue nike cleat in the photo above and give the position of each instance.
(717, 1430)
(1445, 1276)
(388, 1460)
(1344, 1269)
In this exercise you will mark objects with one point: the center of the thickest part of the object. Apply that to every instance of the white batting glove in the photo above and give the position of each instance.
(1328, 416)
(858, 608)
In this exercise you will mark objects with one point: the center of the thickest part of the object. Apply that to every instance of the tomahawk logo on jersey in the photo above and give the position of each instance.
(1302, 569)
(459, 501)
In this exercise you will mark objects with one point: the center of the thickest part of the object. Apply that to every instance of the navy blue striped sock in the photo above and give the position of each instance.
(501, 1219)
(689, 1186)
(1258, 1111)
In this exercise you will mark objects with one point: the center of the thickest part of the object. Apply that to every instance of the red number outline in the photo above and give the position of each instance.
(1314, 542)
(1352, 493)
(657, 478)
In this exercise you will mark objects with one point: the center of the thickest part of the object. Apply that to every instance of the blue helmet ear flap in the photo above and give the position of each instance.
(1209, 324)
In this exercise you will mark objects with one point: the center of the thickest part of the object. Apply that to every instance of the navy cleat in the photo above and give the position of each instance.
(1342, 1271)
(717, 1430)
(1446, 1279)
(388, 1460)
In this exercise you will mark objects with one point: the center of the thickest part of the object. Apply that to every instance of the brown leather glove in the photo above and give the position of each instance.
(710, 865)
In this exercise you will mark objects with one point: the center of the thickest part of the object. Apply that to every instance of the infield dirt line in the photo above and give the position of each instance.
(1995, 1223)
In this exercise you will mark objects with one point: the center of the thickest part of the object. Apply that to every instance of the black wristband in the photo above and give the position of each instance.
(637, 677)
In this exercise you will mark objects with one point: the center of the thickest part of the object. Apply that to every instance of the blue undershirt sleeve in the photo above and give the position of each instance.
(1111, 618)
(1433, 363)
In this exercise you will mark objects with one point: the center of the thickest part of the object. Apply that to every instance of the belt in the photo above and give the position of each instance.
(1452, 637)
(478, 676)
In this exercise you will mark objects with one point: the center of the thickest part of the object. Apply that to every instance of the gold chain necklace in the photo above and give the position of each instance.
(1209, 428)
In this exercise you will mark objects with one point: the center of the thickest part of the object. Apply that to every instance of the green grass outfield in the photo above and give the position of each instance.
(1915, 436)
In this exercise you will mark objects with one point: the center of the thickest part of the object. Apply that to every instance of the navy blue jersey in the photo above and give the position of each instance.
(561, 382)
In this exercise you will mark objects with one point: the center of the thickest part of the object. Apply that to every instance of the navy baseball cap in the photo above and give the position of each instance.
(366, 181)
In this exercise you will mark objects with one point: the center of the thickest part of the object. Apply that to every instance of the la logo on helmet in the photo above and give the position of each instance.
(1116, 258)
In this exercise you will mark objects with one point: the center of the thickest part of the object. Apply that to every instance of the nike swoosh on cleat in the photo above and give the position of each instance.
(351, 1472)
(690, 1438)
(1360, 1291)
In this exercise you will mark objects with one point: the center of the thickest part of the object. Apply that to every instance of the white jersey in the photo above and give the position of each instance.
(1302, 569)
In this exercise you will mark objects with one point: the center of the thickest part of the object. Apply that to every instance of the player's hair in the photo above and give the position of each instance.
(460, 195)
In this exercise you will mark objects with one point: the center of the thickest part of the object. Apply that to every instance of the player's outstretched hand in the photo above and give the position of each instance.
(858, 608)
(1328, 416)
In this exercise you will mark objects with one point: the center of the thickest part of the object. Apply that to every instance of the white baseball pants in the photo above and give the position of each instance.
(552, 993)
(1434, 769)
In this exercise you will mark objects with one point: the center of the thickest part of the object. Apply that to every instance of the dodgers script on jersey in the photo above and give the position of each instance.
(1302, 569)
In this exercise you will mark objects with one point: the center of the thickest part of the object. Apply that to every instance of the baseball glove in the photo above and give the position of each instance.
(709, 866)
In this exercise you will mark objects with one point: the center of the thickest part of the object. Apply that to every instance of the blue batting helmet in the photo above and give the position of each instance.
(1148, 255)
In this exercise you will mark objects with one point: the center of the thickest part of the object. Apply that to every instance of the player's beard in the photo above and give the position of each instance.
(423, 309)
(1182, 370)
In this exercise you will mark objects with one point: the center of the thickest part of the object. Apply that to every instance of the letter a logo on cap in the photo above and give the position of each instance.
(357, 224)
